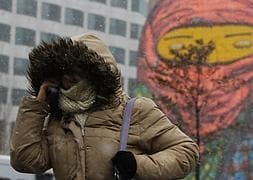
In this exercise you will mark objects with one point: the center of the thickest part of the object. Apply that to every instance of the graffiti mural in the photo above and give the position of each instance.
(196, 61)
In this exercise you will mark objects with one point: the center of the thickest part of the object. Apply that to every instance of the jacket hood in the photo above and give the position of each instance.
(85, 55)
(97, 45)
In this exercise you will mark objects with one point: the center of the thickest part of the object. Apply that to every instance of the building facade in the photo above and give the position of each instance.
(25, 23)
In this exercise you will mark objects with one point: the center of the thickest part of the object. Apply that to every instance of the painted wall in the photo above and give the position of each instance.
(196, 61)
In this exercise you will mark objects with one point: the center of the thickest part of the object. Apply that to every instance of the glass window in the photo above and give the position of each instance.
(119, 3)
(100, 1)
(118, 27)
(16, 96)
(140, 6)
(3, 139)
(96, 22)
(6, 5)
(51, 12)
(27, 7)
(48, 37)
(122, 81)
(5, 32)
(132, 58)
(4, 63)
(135, 5)
(131, 87)
(118, 53)
(135, 31)
(12, 126)
(74, 17)
(25, 36)
(20, 66)
(3, 94)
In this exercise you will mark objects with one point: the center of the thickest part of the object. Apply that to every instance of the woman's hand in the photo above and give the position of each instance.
(44, 88)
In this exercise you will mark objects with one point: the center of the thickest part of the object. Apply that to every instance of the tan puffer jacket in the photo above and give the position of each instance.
(161, 150)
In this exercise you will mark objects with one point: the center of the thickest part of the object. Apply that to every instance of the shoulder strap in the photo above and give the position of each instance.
(126, 124)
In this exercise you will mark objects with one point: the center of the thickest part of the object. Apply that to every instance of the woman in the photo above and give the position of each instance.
(76, 130)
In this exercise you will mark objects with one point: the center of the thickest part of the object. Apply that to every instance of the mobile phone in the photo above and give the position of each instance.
(53, 97)
(52, 90)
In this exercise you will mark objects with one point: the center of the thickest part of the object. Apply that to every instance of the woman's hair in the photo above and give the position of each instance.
(64, 56)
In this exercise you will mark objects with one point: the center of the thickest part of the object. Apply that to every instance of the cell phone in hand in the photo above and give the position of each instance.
(53, 97)
(53, 90)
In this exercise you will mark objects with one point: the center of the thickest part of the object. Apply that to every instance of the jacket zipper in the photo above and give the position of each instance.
(82, 127)
(83, 148)
(83, 132)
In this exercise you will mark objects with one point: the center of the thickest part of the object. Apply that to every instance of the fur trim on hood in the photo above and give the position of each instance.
(85, 55)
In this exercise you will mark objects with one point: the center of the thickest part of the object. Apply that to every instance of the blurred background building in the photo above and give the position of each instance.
(25, 23)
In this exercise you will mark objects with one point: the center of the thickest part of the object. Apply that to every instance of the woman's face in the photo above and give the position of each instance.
(69, 80)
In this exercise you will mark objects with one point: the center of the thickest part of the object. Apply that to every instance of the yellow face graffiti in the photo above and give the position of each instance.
(232, 42)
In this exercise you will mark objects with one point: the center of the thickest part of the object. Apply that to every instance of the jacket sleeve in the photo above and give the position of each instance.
(29, 149)
(170, 153)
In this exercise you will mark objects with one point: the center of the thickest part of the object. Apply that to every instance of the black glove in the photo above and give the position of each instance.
(125, 163)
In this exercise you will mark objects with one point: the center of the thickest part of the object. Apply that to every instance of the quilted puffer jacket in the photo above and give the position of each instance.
(161, 149)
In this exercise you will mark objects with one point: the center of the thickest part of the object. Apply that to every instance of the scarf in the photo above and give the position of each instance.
(77, 100)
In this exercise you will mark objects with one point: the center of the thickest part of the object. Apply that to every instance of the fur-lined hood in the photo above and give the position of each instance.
(97, 45)
(85, 55)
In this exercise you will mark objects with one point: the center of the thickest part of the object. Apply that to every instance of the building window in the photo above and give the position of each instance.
(3, 94)
(118, 27)
(3, 139)
(16, 96)
(132, 58)
(135, 31)
(99, 1)
(27, 7)
(6, 5)
(51, 12)
(74, 17)
(131, 87)
(4, 63)
(48, 37)
(119, 3)
(20, 66)
(5, 34)
(96, 22)
(122, 81)
(25, 36)
(118, 53)
(13, 123)
(140, 6)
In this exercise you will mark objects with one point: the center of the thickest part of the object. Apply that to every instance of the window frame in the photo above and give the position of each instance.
(6, 36)
(26, 9)
(116, 55)
(46, 34)
(48, 7)
(3, 94)
(135, 32)
(22, 37)
(66, 17)
(16, 91)
(119, 4)
(131, 86)
(132, 62)
(99, 1)
(118, 23)
(6, 8)
(103, 29)
(16, 67)
(3, 58)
